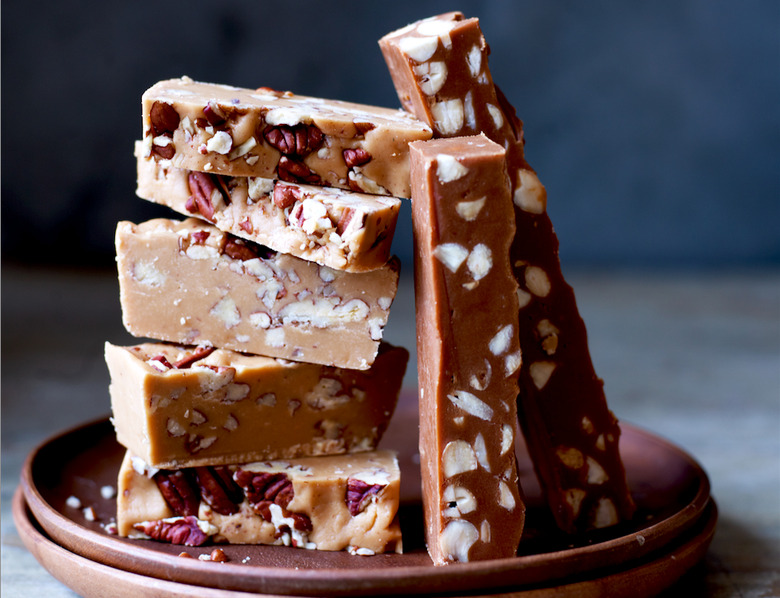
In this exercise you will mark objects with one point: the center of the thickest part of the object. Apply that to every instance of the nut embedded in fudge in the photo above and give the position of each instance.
(265, 133)
(182, 406)
(188, 282)
(440, 70)
(347, 502)
(467, 349)
(333, 227)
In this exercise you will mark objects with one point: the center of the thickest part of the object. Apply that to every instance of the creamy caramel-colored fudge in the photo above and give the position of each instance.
(333, 227)
(271, 134)
(347, 502)
(182, 406)
(188, 282)
(440, 70)
(467, 348)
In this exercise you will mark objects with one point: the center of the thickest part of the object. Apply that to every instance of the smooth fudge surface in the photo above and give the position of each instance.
(346, 502)
(333, 227)
(468, 352)
(181, 406)
(188, 282)
(440, 70)
(272, 134)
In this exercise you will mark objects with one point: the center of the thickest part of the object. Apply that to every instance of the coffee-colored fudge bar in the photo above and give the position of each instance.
(271, 134)
(467, 349)
(440, 70)
(190, 283)
(333, 227)
(182, 406)
(346, 502)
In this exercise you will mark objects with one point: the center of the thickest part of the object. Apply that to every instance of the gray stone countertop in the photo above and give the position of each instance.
(693, 357)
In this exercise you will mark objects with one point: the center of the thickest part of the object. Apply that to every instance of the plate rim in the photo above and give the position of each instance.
(657, 573)
(241, 577)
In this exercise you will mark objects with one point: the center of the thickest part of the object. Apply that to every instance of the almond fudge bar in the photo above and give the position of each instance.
(468, 353)
(346, 502)
(190, 283)
(271, 134)
(440, 70)
(182, 406)
(333, 227)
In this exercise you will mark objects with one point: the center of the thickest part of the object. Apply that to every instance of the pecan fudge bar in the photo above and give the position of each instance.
(271, 134)
(346, 502)
(333, 227)
(440, 69)
(190, 283)
(468, 352)
(182, 406)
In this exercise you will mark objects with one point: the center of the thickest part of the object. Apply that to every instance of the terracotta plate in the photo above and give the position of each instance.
(92, 579)
(670, 488)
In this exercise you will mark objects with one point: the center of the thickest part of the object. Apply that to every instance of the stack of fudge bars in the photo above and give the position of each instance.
(254, 415)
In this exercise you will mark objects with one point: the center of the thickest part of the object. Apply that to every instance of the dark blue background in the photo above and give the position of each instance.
(654, 125)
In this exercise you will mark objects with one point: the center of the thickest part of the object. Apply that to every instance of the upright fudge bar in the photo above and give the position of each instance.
(266, 133)
(180, 406)
(440, 70)
(333, 227)
(347, 502)
(467, 348)
(188, 282)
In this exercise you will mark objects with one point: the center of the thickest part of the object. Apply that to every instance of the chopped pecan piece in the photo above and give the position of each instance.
(164, 151)
(265, 486)
(179, 490)
(344, 220)
(299, 140)
(239, 250)
(163, 360)
(196, 355)
(214, 114)
(301, 522)
(364, 127)
(294, 171)
(219, 490)
(359, 494)
(356, 156)
(164, 118)
(179, 530)
(286, 195)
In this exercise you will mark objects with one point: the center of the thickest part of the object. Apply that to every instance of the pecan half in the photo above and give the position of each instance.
(286, 195)
(219, 490)
(183, 530)
(202, 186)
(190, 358)
(356, 156)
(299, 140)
(294, 171)
(264, 486)
(164, 118)
(359, 494)
(179, 490)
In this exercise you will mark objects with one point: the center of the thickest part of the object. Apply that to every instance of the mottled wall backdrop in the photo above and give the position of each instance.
(654, 125)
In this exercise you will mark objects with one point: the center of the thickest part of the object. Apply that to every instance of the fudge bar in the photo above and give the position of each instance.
(333, 227)
(347, 502)
(468, 353)
(181, 406)
(440, 70)
(190, 283)
(271, 134)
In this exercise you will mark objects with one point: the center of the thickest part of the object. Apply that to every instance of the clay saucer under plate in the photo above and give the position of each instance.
(92, 579)
(670, 488)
